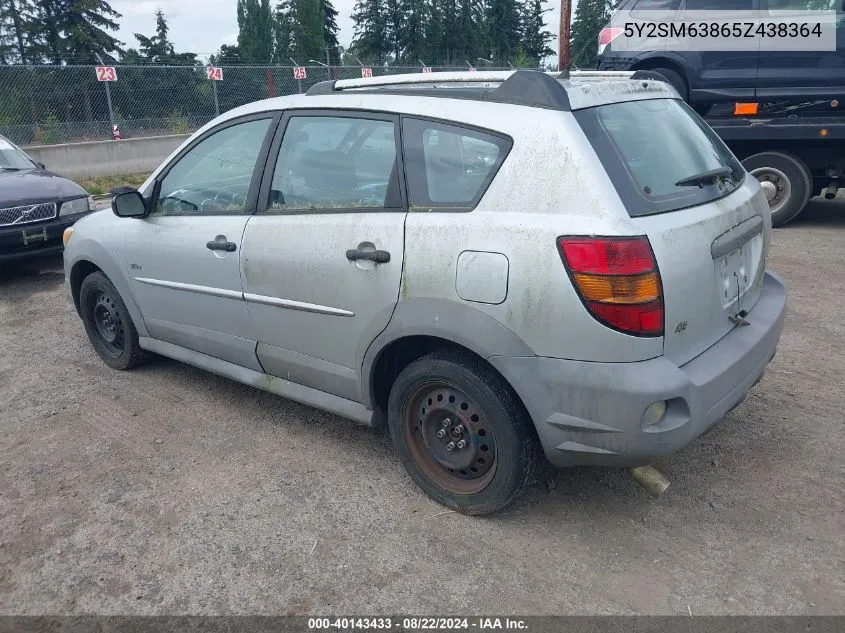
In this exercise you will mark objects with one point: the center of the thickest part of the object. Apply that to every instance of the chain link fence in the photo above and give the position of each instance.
(45, 105)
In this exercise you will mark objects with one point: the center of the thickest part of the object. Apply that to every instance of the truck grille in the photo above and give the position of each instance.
(27, 213)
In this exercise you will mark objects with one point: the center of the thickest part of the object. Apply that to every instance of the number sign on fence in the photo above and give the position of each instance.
(106, 73)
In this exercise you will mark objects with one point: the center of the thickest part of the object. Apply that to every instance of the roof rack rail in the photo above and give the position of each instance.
(518, 87)
(425, 78)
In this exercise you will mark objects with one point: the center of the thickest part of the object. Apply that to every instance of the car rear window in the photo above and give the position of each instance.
(449, 166)
(649, 146)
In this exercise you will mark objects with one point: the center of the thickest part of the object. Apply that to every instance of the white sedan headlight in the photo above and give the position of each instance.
(72, 207)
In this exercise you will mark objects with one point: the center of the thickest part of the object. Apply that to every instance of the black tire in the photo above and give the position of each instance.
(501, 453)
(108, 323)
(674, 78)
(789, 176)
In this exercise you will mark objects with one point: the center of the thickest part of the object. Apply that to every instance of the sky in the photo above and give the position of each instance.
(201, 26)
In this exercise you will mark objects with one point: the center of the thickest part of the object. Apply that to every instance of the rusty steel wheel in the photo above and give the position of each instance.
(450, 438)
(108, 323)
(461, 432)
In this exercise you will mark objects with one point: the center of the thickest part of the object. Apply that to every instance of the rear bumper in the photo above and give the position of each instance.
(34, 240)
(591, 413)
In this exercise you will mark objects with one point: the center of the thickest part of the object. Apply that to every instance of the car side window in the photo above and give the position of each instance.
(449, 166)
(334, 162)
(213, 178)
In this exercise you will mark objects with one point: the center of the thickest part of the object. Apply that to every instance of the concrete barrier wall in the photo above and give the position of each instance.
(106, 158)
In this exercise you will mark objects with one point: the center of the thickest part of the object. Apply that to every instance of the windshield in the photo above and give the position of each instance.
(13, 158)
(660, 155)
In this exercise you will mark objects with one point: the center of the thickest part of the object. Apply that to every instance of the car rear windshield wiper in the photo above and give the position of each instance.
(705, 177)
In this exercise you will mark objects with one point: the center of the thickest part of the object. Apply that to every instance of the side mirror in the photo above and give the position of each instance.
(129, 204)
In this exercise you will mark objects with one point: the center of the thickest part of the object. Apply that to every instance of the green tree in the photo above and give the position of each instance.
(473, 30)
(308, 24)
(503, 19)
(283, 26)
(433, 28)
(371, 39)
(451, 42)
(300, 30)
(394, 22)
(76, 31)
(330, 31)
(535, 37)
(591, 16)
(412, 31)
(157, 49)
(16, 28)
(227, 54)
(255, 30)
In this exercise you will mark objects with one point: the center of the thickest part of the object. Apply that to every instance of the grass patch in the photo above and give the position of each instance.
(104, 184)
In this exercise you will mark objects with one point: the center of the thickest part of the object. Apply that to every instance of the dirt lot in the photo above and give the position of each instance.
(170, 490)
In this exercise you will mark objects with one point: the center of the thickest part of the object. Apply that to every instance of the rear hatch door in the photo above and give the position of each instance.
(707, 221)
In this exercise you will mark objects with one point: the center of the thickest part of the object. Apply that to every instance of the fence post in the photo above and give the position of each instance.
(108, 100)
(108, 95)
(216, 102)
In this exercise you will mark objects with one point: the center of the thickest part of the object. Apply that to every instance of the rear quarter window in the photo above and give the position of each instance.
(649, 146)
(449, 166)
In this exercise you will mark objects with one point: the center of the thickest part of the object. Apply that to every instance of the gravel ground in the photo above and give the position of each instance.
(169, 490)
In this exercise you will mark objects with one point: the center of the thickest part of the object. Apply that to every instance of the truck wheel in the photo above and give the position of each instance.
(108, 324)
(675, 79)
(461, 433)
(786, 181)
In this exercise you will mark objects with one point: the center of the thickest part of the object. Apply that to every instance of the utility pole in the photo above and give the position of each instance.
(563, 34)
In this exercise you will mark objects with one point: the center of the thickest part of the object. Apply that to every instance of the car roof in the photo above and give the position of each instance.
(562, 92)
(556, 91)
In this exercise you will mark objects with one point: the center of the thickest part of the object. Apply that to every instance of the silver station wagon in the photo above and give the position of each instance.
(499, 266)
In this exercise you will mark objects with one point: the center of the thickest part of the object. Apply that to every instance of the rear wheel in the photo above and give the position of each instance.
(108, 324)
(786, 181)
(674, 78)
(461, 433)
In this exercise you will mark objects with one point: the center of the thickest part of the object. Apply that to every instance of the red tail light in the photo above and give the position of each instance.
(618, 281)
(607, 35)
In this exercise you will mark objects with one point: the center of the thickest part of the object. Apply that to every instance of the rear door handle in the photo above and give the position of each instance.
(214, 245)
(379, 257)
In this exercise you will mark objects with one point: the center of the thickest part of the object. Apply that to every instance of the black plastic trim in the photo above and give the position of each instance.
(322, 88)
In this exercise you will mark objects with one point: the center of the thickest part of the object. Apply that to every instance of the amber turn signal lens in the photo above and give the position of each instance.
(67, 235)
(618, 288)
(741, 109)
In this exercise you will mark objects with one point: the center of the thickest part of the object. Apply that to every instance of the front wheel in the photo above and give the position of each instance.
(108, 324)
(461, 433)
